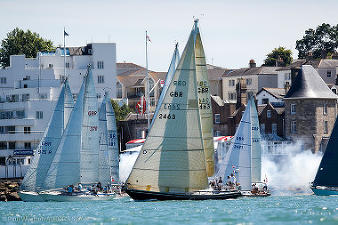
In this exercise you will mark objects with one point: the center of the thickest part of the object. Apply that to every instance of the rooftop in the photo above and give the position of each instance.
(263, 70)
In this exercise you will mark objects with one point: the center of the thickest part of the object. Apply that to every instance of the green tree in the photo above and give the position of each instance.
(19, 42)
(120, 111)
(279, 57)
(319, 43)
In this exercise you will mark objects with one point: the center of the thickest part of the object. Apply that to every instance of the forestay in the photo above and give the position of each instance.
(172, 157)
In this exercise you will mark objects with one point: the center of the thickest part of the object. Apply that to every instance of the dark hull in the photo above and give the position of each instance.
(163, 196)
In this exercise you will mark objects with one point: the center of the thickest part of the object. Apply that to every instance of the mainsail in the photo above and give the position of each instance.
(256, 147)
(113, 144)
(69, 103)
(104, 167)
(44, 154)
(171, 71)
(69, 166)
(327, 172)
(204, 102)
(172, 157)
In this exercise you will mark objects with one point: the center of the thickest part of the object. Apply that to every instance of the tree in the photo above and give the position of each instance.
(19, 42)
(279, 57)
(319, 43)
(120, 111)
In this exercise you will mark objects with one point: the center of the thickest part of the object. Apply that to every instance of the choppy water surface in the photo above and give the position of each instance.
(269, 210)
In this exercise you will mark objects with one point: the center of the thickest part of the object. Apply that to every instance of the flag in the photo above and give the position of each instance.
(65, 33)
(148, 38)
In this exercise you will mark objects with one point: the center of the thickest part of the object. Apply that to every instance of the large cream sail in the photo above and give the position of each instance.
(172, 158)
(204, 102)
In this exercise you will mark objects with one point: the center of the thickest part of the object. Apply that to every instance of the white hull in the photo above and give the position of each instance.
(30, 196)
(57, 196)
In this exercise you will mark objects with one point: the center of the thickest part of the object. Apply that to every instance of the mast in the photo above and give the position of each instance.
(64, 52)
(147, 82)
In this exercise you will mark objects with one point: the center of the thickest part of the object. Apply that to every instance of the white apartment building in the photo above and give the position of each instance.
(29, 88)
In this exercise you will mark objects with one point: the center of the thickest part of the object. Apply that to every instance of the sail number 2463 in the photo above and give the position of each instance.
(166, 116)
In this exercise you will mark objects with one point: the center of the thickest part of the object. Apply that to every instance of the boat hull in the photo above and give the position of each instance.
(260, 194)
(324, 192)
(163, 196)
(30, 196)
(61, 197)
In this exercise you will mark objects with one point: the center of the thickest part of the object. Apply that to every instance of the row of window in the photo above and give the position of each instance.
(294, 127)
(273, 128)
(100, 65)
(293, 109)
(11, 130)
(18, 115)
(248, 82)
(12, 145)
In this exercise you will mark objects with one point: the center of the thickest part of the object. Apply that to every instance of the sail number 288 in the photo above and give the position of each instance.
(166, 116)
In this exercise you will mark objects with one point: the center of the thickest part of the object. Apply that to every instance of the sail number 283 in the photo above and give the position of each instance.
(166, 116)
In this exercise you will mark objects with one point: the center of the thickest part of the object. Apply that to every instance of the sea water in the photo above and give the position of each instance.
(302, 209)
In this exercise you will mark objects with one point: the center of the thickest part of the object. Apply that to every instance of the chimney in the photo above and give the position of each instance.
(294, 73)
(241, 92)
(252, 63)
(286, 87)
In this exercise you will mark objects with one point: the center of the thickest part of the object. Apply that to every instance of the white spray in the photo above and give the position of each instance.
(293, 172)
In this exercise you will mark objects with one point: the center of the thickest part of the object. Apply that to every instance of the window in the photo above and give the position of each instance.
(265, 101)
(268, 113)
(326, 127)
(325, 109)
(262, 128)
(39, 114)
(11, 145)
(3, 161)
(20, 114)
(100, 79)
(25, 97)
(25, 86)
(218, 133)
(3, 145)
(27, 130)
(3, 80)
(249, 81)
(67, 65)
(50, 65)
(152, 101)
(28, 145)
(232, 96)
(274, 128)
(43, 96)
(2, 130)
(293, 127)
(293, 109)
(328, 73)
(217, 118)
(10, 130)
(98, 95)
(118, 90)
(231, 83)
(100, 65)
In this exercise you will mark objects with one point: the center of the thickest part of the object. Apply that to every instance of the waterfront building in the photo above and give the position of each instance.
(310, 109)
(29, 88)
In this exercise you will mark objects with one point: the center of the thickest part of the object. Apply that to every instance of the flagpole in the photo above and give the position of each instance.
(64, 53)
(147, 82)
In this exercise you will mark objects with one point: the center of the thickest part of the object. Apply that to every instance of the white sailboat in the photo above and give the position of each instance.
(77, 157)
(33, 181)
(173, 162)
(243, 159)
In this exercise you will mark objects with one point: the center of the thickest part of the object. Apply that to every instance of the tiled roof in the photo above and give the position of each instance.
(276, 92)
(309, 84)
(215, 72)
(218, 100)
(316, 63)
(263, 70)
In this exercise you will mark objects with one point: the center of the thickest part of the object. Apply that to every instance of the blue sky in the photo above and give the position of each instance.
(233, 32)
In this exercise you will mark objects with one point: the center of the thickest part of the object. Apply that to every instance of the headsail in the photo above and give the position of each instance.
(204, 102)
(104, 166)
(171, 71)
(172, 157)
(328, 167)
(113, 144)
(47, 147)
(238, 158)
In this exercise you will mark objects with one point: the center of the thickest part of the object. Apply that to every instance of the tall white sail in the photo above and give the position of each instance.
(44, 154)
(172, 157)
(171, 71)
(104, 167)
(66, 166)
(89, 135)
(113, 144)
(204, 102)
(238, 158)
(256, 152)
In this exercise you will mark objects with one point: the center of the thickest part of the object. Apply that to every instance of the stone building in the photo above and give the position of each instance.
(310, 109)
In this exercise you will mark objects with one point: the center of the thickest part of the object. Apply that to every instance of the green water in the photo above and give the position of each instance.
(269, 210)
